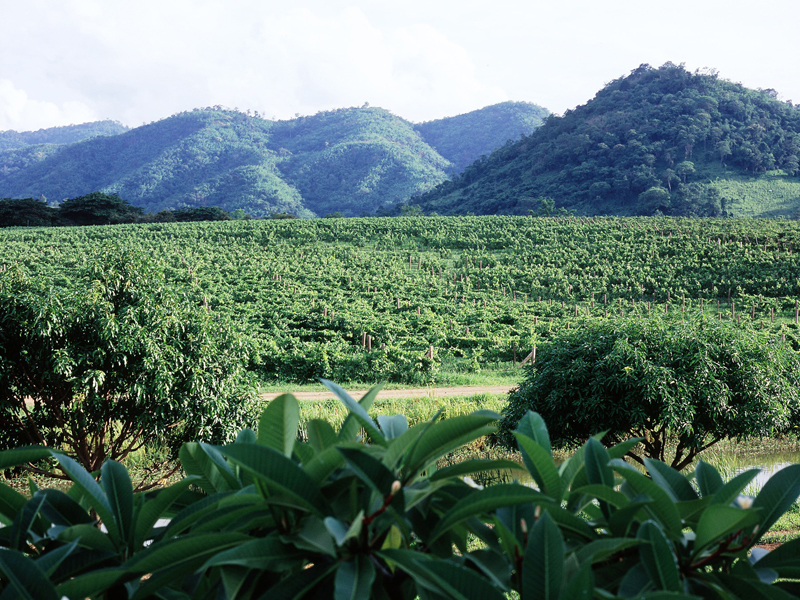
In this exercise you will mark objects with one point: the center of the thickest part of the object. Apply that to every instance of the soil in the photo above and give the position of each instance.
(406, 393)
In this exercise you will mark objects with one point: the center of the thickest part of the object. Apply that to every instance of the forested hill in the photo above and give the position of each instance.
(353, 161)
(68, 134)
(659, 140)
(465, 138)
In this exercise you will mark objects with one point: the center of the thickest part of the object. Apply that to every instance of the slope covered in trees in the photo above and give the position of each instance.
(656, 141)
(354, 161)
(68, 134)
(465, 138)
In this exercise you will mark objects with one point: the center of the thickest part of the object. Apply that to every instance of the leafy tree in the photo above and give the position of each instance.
(652, 200)
(114, 363)
(687, 383)
(201, 213)
(25, 212)
(98, 208)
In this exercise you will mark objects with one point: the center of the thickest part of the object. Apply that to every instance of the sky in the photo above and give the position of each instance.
(72, 61)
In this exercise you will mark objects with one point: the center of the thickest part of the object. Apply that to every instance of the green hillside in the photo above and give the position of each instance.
(465, 138)
(354, 161)
(68, 134)
(658, 141)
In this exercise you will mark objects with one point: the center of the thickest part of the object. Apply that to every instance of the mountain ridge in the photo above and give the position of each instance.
(353, 161)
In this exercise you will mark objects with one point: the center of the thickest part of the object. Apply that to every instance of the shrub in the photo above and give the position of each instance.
(272, 517)
(674, 383)
(115, 362)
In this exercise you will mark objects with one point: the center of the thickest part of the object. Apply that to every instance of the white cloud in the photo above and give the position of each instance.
(21, 113)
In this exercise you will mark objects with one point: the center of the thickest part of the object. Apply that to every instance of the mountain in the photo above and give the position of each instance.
(59, 135)
(658, 141)
(353, 161)
(465, 138)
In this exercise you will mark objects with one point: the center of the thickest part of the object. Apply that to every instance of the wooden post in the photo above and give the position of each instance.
(430, 352)
(467, 330)
(576, 310)
(363, 339)
(514, 354)
(733, 310)
(753, 313)
(369, 343)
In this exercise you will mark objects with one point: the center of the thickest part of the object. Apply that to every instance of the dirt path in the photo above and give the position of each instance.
(407, 393)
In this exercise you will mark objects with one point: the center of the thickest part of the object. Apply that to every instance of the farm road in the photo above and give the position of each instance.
(442, 392)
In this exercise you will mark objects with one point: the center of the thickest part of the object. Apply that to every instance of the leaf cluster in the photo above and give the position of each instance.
(270, 516)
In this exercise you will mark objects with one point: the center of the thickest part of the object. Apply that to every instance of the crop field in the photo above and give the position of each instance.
(409, 300)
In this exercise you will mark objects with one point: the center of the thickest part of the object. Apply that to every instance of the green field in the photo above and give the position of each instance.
(441, 300)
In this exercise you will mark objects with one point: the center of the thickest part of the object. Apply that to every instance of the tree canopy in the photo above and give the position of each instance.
(691, 383)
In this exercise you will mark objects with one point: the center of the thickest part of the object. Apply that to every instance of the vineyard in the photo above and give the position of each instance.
(400, 299)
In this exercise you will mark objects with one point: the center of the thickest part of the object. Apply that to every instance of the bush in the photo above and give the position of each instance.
(682, 385)
(115, 362)
(272, 517)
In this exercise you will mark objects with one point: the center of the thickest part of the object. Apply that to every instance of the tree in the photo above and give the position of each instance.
(25, 212)
(684, 169)
(98, 208)
(652, 200)
(201, 213)
(681, 386)
(115, 363)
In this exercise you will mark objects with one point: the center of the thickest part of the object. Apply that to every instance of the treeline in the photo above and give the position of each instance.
(654, 142)
(99, 208)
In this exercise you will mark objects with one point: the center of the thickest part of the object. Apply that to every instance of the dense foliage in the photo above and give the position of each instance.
(68, 134)
(354, 161)
(477, 289)
(464, 138)
(332, 517)
(680, 385)
(657, 141)
(114, 361)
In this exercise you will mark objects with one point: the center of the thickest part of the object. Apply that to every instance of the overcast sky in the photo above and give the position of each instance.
(72, 61)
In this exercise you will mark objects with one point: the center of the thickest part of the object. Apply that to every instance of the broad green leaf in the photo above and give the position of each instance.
(354, 579)
(264, 554)
(297, 585)
(729, 491)
(369, 469)
(543, 566)
(87, 536)
(569, 522)
(11, 501)
(119, 491)
(467, 467)
(777, 496)
(341, 532)
(246, 436)
(314, 536)
(658, 558)
(278, 472)
(596, 459)
(323, 464)
(24, 523)
(753, 589)
(785, 559)
(204, 461)
(321, 435)
(540, 465)
(602, 492)
(445, 436)
(533, 426)
(485, 501)
(84, 482)
(25, 577)
(52, 559)
(580, 586)
(62, 510)
(708, 479)
(358, 413)
(20, 456)
(393, 426)
(662, 507)
(719, 521)
(621, 449)
(277, 427)
(174, 553)
(457, 581)
(670, 480)
(156, 508)
(600, 550)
